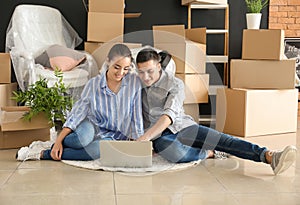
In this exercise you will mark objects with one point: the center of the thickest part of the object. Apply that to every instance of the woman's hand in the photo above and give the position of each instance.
(57, 148)
(57, 151)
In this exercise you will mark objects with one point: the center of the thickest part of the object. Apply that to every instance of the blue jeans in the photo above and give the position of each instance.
(79, 144)
(193, 142)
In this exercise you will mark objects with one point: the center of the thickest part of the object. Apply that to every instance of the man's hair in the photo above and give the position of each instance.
(147, 54)
(120, 50)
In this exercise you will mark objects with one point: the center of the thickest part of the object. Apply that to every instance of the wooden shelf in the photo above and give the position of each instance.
(209, 2)
(212, 89)
(208, 6)
(216, 31)
(216, 59)
(132, 15)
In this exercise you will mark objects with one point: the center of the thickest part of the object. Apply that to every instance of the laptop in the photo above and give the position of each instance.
(129, 154)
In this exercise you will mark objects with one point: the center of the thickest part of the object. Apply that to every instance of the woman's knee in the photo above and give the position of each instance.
(85, 132)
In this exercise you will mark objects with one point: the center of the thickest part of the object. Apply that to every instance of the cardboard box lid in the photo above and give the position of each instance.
(196, 35)
(178, 34)
(169, 34)
(115, 6)
(11, 119)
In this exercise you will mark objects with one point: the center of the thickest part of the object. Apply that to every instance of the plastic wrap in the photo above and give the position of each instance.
(32, 29)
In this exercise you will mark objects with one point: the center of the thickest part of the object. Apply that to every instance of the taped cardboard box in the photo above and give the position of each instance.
(103, 27)
(263, 44)
(248, 113)
(187, 46)
(90, 47)
(6, 94)
(187, 2)
(196, 87)
(263, 74)
(192, 110)
(5, 68)
(16, 132)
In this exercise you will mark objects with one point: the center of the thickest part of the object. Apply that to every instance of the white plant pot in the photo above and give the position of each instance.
(253, 20)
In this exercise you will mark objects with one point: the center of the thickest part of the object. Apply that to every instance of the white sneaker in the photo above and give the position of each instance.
(26, 153)
(40, 144)
(282, 160)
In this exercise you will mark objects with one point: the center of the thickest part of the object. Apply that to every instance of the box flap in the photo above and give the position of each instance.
(169, 34)
(196, 34)
(11, 120)
(116, 6)
(15, 108)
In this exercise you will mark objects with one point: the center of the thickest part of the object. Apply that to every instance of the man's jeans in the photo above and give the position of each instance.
(193, 142)
(79, 144)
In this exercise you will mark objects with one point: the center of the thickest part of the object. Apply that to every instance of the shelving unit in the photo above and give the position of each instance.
(214, 58)
(209, 120)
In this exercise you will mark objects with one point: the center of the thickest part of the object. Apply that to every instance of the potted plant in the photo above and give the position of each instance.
(253, 15)
(53, 101)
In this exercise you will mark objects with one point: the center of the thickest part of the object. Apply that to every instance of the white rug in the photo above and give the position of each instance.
(158, 165)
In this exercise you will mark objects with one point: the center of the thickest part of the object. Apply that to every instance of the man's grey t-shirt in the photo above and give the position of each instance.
(166, 96)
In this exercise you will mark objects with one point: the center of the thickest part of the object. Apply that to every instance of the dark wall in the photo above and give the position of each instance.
(154, 12)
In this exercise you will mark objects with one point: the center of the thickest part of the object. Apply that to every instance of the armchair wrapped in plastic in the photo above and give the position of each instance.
(32, 30)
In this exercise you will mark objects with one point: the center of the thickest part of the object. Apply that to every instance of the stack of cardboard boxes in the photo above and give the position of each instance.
(262, 99)
(6, 87)
(105, 23)
(14, 131)
(105, 28)
(188, 50)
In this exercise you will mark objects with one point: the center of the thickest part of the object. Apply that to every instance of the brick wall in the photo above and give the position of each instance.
(285, 14)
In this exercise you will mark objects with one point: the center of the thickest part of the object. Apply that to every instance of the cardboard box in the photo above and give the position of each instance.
(192, 110)
(196, 87)
(15, 132)
(248, 113)
(263, 44)
(90, 47)
(104, 27)
(115, 6)
(5, 68)
(264, 74)
(6, 94)
(187, 46)
(100, 54)
(187, 2)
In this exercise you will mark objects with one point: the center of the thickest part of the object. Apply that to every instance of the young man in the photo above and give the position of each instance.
(176, 136)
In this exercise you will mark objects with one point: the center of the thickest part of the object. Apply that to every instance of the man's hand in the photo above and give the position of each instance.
(143, 138)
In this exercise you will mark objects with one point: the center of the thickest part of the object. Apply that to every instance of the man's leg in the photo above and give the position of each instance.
(170, 148)
(209, 139)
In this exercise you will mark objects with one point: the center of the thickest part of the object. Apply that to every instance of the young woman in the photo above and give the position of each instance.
(176, 136)
(110, 108)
